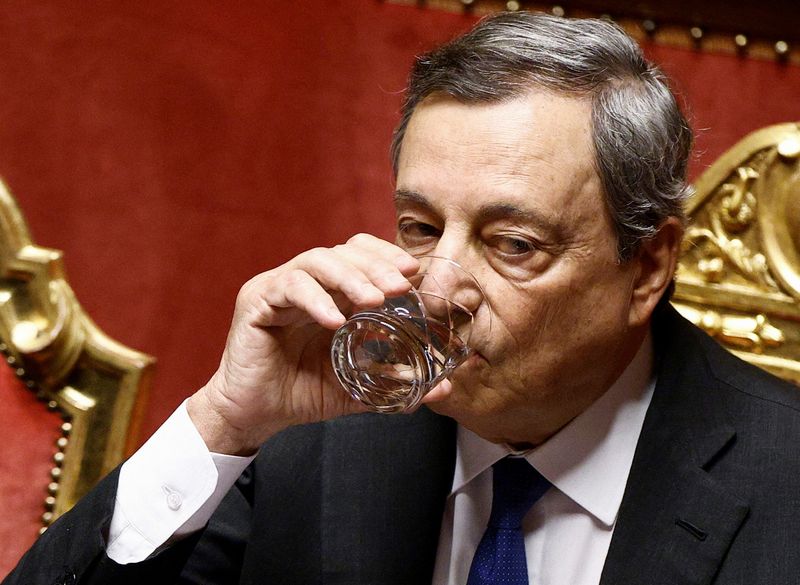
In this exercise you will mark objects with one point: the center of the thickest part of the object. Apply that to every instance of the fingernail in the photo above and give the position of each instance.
(395, 279)
(406, 261)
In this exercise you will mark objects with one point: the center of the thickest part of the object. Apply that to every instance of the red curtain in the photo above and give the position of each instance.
(173, 150)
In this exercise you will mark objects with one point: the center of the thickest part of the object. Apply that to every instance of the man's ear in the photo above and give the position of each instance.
(657, 259)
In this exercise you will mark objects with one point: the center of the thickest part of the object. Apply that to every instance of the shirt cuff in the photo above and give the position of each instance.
(169, 488)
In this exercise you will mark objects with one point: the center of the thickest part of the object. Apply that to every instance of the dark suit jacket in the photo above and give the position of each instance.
(713, 495)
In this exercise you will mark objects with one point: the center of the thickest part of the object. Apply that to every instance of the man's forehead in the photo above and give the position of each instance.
(501, 154)
(488, 206)
(534, 96)
(535, 125)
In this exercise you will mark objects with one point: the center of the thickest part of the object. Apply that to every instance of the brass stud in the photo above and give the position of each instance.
(468, 2)
(512, 5)
(696, 33)
(782, 48)
(11, 360)
(55, 473)
(52, 405)
(649, 26)
(62, 443)
(557, 10)
(19, 372)
(52, 488)
(66, 428)
(42, 530)
(3, 347)
(741, 41)
(58, 458)
(47, 518)
(49, 502)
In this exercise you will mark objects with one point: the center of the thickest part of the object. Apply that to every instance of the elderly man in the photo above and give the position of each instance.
(593, 436)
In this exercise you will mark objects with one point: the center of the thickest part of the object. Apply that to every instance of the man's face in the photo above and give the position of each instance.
(510, 192)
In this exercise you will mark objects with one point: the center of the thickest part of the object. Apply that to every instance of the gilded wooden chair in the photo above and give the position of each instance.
(739, 274)
(70, 395)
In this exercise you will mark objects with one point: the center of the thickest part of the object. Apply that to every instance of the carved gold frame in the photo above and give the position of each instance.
(97, 384)
(739, 273)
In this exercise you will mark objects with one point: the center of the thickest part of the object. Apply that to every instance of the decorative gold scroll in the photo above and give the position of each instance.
(739, 273)
(97, 384)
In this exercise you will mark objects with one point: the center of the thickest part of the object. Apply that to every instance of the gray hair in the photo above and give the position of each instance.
(641, 139)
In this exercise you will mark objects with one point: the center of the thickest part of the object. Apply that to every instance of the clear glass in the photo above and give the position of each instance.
(390, 357)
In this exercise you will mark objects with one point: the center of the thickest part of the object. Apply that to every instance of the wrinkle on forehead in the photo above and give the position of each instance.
(506, 140)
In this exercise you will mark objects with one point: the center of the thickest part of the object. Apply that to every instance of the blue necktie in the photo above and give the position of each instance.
(500, 557)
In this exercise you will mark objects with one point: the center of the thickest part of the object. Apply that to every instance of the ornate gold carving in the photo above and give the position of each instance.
(743, 332)
(732, 212)
(739, 273)
(737, 207)
(97, 384)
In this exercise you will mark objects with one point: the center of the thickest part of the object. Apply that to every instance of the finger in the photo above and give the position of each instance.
(292, 297)
(438, 393)
(336, 273)
(324, 282)
(405, 262)
(300, 290)
(285, 316)
(382, 272)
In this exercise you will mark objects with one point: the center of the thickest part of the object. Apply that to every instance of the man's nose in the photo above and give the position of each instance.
(445, 279)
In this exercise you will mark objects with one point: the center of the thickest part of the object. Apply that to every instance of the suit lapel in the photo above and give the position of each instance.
(676, 522)
(385, 480)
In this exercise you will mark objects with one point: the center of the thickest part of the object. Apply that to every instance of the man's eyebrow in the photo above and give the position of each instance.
(489, 212)
(544, 222)
(409, 196)
(495, 211)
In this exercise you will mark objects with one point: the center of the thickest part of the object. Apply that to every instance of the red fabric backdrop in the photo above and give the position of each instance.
(172, 150)
(28, 437)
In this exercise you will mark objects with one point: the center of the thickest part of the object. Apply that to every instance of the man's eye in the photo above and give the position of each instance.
(513, 246)
(414, 231)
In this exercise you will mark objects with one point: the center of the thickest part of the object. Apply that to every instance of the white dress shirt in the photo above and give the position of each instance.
(169, 488)
(172, 485)
(568, 531)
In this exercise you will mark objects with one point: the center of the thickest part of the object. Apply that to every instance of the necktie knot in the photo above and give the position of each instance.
(500, 557)
(516, 486)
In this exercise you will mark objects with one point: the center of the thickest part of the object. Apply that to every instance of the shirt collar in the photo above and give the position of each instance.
(590, 458)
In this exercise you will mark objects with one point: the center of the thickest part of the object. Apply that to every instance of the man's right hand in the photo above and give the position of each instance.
(275, 371)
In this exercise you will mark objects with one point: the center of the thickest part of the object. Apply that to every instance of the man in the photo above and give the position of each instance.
(549, 159)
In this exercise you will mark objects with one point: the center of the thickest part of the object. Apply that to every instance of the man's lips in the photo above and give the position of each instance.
(475, 358)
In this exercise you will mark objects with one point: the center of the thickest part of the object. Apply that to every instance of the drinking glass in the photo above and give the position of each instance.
(391, 356)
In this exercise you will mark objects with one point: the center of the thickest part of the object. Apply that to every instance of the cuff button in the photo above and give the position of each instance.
(174, 499)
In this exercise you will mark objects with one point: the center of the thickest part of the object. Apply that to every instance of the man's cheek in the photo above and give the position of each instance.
(538, 322)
